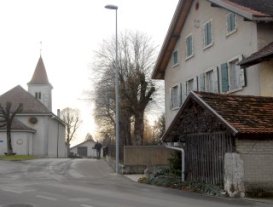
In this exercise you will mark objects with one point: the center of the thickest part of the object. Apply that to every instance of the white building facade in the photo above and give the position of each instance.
(36, 130)
(204, 44)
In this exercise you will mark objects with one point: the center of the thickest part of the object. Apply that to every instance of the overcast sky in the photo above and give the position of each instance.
(70, 31)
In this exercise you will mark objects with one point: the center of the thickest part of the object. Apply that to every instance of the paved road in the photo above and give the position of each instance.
(89, 183)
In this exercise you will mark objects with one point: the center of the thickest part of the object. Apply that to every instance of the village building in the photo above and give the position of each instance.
(85, 149)
(216, 62)
(36, 130)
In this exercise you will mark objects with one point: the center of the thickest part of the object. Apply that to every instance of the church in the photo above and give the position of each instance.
(35, 130)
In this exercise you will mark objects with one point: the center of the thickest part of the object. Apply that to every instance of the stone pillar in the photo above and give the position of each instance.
(233, 175)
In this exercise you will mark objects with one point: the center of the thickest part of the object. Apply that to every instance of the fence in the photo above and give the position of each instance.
(135, 159)
(205, 156)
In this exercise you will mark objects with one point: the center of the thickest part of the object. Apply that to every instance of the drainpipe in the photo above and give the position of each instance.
(182, 160)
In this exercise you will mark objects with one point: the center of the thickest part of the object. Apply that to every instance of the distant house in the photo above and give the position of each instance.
(84, 149)
(216, 63)
(36, 130)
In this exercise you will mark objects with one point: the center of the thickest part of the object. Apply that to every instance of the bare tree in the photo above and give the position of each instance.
(159, 128)
(71, 117)
(135, 61)
(7, 115)
(89, 137)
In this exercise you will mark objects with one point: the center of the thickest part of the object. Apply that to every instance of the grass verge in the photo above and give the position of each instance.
(16, 157)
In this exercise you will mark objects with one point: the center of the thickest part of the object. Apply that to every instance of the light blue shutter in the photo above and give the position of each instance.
(215, 81)
(180, 94)
(195, 84)
(184, 91)
(201, 82)
(209, 33)
(224, 77)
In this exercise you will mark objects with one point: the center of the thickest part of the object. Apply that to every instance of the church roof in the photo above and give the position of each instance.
(19, 95)
(18, 126)
(40, 75)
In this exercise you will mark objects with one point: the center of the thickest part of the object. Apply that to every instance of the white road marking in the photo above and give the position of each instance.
(80, 199)
(12, 190)
(46, 197)
(84, 205)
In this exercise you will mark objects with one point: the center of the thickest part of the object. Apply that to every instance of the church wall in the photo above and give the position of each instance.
(39, 143)
(21, 143)
(56, 139)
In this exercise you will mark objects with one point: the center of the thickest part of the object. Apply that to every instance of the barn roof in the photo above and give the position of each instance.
(252, 115)
(266, 53)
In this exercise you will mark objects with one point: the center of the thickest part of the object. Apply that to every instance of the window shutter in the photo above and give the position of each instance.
(171, 97)
(215, 81)
(195, 84)
(184, 91)
(218, 80)
(224, 77)
(242, 77)
(180, 94)
(202, 82)
(209, 33)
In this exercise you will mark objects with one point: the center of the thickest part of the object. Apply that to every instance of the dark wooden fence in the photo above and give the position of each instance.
(205, 156)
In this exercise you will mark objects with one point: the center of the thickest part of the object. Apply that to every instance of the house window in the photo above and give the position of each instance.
(189, 47)
(38, 95)
(175, 97)
(232, 76)
(190, 86)
(207, 36)
(209, 81)
(231, 23)
(175, 58)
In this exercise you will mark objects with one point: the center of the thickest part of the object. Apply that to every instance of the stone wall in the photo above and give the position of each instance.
(257, 156)
(138, 158)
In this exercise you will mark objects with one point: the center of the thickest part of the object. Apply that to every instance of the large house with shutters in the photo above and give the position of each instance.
(204, 44)
(36, 130)
(217, 65)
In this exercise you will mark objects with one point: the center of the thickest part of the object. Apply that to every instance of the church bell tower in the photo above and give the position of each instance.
(39, 85)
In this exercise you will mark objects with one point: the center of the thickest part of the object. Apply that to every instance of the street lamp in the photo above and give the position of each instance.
(113, 7)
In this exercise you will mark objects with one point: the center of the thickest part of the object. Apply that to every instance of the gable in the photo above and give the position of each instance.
(193, 118)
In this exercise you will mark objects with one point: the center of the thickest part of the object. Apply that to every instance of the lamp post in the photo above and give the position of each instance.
(113, 7)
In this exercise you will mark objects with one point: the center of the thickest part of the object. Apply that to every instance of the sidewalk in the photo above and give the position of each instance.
(134, 177)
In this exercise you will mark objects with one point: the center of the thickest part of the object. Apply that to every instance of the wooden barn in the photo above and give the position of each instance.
(211, 126)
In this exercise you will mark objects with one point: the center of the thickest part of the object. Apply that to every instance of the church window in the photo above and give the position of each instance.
(38, 95)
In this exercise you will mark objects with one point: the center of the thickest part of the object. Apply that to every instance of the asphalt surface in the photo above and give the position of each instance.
(90, 183)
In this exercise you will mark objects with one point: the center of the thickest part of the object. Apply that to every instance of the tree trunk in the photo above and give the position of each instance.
(9, 145)
(68, 149)
(139, 127)
(125, 129)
